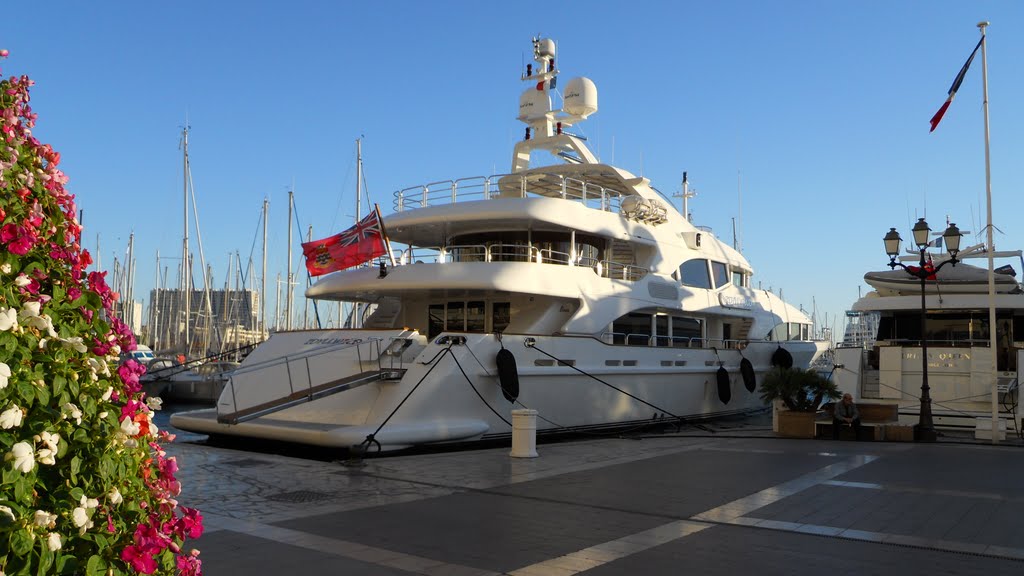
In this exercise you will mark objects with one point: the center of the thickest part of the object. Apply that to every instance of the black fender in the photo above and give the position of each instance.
(781, 358)
(724, 387)
(747, 371)
(508, 376)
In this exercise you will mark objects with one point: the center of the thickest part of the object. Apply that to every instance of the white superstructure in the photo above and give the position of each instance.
(616, 308)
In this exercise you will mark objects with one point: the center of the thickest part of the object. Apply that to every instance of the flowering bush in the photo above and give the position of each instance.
(86, 488)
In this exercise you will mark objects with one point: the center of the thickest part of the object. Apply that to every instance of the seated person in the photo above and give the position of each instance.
(845, 414)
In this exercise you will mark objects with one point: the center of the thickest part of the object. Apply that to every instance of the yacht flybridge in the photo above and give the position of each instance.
(572, 289)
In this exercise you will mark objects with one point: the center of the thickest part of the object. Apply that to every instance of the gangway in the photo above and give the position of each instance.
(275, 384)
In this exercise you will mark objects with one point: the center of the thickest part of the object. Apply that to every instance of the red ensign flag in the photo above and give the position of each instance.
(360, 243)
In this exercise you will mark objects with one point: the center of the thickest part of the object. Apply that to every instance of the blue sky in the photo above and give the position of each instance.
(806, 121)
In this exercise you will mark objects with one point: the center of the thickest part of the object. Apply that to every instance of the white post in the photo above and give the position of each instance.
(524, 433)
(989, 246)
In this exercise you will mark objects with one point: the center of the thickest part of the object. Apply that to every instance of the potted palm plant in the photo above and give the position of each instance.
(800, 392)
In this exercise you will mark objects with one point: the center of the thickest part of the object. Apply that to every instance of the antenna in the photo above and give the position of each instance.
(686, 194)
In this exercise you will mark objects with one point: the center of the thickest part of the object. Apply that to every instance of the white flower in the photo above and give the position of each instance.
(44, 519)
(53, 541)
(5, 268)
(69, 410)
(6, 514)
(80, 518)
(109, 391)
(22, 280)
(46, 456)
(50, 439)
(74, 343)
(115, 496)
(154, 402)
(130, 427)
(5, 375)
(115, 351)
(8, 319)
(43, 323)
(11, 418)
(29, 310)
(42, 343)
(88, 502)
(23, 456)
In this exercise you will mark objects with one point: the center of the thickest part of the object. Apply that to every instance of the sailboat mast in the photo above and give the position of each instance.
(359, 175)
(288, 286)
(263, 290)
(186, 285)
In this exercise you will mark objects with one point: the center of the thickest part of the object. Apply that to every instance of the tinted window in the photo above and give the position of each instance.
(500, 316)
(475, 317)
(695, 273)
(721, 274)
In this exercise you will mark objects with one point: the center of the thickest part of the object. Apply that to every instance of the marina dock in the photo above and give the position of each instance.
(730, 499)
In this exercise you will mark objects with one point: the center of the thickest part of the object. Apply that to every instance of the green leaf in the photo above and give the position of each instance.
(45, 557)
(77, 493)
(58, 384)
(21, 542)
(76, 467)
(96, 566)
(21, 488)
(43, 394)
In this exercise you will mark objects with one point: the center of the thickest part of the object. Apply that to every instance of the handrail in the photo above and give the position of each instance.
(539, 184)
(317, 351)
(523, 253)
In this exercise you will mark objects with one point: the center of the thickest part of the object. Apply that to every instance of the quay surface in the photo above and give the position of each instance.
(729, 500)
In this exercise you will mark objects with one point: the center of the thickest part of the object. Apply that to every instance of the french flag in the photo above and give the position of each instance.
(956, 86)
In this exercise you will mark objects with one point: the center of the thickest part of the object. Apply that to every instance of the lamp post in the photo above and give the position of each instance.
(925, 429)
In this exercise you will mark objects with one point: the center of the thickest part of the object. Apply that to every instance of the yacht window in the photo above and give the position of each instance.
(737, 278)
(455, 317)
(475, 316)
(632, 329)
(695, 273)
(686, 331)
(662, 337)
(500, 316)
(721, 273)
(435, 320)
(779, 333)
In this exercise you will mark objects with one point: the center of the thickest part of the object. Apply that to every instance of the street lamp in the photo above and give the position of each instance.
(925, 429)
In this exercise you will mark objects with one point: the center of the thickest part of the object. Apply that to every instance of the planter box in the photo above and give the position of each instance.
(899, 433)
(796, 424)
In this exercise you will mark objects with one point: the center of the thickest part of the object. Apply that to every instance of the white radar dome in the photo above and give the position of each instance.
(580, 97)
(533, 104)
(546, 48)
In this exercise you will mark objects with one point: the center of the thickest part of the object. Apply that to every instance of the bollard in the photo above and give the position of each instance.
(524, 434)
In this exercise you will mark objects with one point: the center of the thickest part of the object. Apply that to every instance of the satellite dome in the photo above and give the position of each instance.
(580, 97)
(533, 104)
(546, 48)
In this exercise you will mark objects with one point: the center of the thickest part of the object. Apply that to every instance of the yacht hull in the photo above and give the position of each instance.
(451, 392)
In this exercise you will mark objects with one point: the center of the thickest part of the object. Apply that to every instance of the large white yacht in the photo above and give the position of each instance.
(958, 338)
(612, 308)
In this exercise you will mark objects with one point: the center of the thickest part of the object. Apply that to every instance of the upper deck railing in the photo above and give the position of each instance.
(499, 252)
(534, 184)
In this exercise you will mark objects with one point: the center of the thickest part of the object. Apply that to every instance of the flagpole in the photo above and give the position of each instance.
(993, 329)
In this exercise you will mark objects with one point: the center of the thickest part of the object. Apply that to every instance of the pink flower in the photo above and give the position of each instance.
(192, 522)
(4, 53)
(142, 561)
(190, 565)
